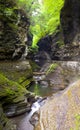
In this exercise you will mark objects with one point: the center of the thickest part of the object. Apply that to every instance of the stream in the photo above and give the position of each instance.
(23, 122)
(41, 89)
(43, 86)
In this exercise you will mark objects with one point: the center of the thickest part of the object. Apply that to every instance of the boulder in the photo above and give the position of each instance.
(59, 74)
(17, 109)
(34, 119)
(56, 78)
(13, 97)
(62, 110)
(14, 78)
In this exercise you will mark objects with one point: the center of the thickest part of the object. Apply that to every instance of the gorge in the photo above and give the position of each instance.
(39, 65)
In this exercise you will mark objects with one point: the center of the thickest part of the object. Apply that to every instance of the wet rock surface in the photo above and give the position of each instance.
(28, 120)
(64, 74)
(34, 119)
(12, 97)
(5, 124)
(61, 111)
(17, 109)
(57, 74)
(14, 77)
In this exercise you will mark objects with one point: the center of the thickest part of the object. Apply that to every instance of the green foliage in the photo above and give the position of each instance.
(10, 89)
(44, 15)
(7, 9)
(26, 5)
(51, 68)
(77, 122)
(8, 14)
(47, 20)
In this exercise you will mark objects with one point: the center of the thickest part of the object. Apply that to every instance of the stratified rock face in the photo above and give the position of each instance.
(70, 20)
(70, 27)
(62, 111)
(5, 124)
(20, 72)
(14, 77)
(13, 29)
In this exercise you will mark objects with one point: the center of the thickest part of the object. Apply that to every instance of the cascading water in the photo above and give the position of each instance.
(35, 107)
(25, 124)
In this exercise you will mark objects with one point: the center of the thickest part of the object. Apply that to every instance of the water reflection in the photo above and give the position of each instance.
(41, 90)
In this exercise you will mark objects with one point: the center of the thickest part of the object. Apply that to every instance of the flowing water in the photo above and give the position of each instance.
(40, 88)
(22, 122)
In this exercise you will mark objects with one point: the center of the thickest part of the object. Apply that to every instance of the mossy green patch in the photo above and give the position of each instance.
(34, 66)
(77, 122)
(47, 19)
(18, 72)
(51, 68)
(25, 82)
(11, 90)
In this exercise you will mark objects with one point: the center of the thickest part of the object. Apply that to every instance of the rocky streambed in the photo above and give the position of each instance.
(21, 82)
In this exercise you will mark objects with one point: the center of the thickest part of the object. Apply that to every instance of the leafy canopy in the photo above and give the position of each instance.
(46, 19)
(44, 16)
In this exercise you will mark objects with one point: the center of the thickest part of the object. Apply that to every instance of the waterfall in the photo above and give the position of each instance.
(25, 124)
(35, 107)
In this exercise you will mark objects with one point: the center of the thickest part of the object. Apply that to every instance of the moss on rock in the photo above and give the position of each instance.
(13, 28)
(20, 72)
(11, 91)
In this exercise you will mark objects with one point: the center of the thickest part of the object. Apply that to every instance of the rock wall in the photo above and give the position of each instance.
(70, 20)
(66, 43)
(14, 98)
(5, 124)
(13, 29)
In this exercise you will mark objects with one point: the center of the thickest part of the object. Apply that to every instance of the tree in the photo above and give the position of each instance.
(46, 21)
